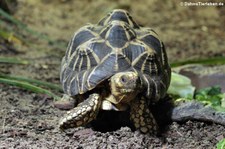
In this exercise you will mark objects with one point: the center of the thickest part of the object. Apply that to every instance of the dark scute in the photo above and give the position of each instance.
(117, 36)
(109, 63)
(103, 20)
(74, 82)
(71, 62)
(149, 85)
(165, 59)
(99, 75)
(167, 76)
(135, 25)
(152, 90)
(128, 53)
(65, 73)
(101, 72)
(105, 30)
(123, 64)
(85, 50)
(133, 51)
(153, 43)
(80, 38)
(83, 57)
(100, 49)
(74, 89)
(114, 60)
(107, 68)
(93, 61)
(81, 60)
(138, 65)
(77, 64)
(120, 16)
(79, 82)
(160, 88)
(151, 65)
(67, 76)
(130, 31)
(84, 63)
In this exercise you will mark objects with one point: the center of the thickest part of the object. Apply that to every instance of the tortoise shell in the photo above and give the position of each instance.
(115, 44)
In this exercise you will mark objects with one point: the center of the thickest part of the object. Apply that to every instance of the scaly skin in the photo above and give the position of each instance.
(142, 118)
(85, 112)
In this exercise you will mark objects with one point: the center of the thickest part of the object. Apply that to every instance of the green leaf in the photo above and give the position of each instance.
(37, 82)
(212, 95)
(12, 60)
(10, 37)
(223, 100)
(221, 144)
(181, 89)
(208, 61)
(29, 87)
(181, 86)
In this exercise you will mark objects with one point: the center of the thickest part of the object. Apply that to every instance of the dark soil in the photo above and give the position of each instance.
(29, 120)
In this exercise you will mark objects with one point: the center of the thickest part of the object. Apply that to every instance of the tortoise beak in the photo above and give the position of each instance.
(107, 105)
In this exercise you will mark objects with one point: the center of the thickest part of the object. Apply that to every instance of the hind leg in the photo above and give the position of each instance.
(142, 118)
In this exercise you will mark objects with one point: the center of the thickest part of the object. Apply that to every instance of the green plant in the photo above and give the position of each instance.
(212, 96)
(182, 89)
(221, 144)
(24, 84)
(29, 87)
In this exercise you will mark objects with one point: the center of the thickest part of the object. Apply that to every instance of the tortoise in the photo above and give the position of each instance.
(114, 65)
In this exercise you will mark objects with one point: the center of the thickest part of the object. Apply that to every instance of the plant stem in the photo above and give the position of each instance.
(29, 87)
(13, 60)
(214, 61)
(37, 82)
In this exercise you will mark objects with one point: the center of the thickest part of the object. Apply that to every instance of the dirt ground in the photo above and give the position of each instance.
(29, 120)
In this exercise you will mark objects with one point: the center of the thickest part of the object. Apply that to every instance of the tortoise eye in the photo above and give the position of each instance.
(124, 79)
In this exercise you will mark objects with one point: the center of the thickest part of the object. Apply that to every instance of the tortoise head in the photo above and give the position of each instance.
(124, 87)
(124, 83)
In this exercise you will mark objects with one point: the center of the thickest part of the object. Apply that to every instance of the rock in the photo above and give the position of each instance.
(66, 103)
(204, 76)
(197, 111)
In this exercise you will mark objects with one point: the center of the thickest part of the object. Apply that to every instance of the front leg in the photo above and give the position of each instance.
(85, 112)
(142, 118)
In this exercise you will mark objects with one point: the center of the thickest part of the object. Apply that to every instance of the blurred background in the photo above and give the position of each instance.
(40, 30)
(188, 31)
(33, 39)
